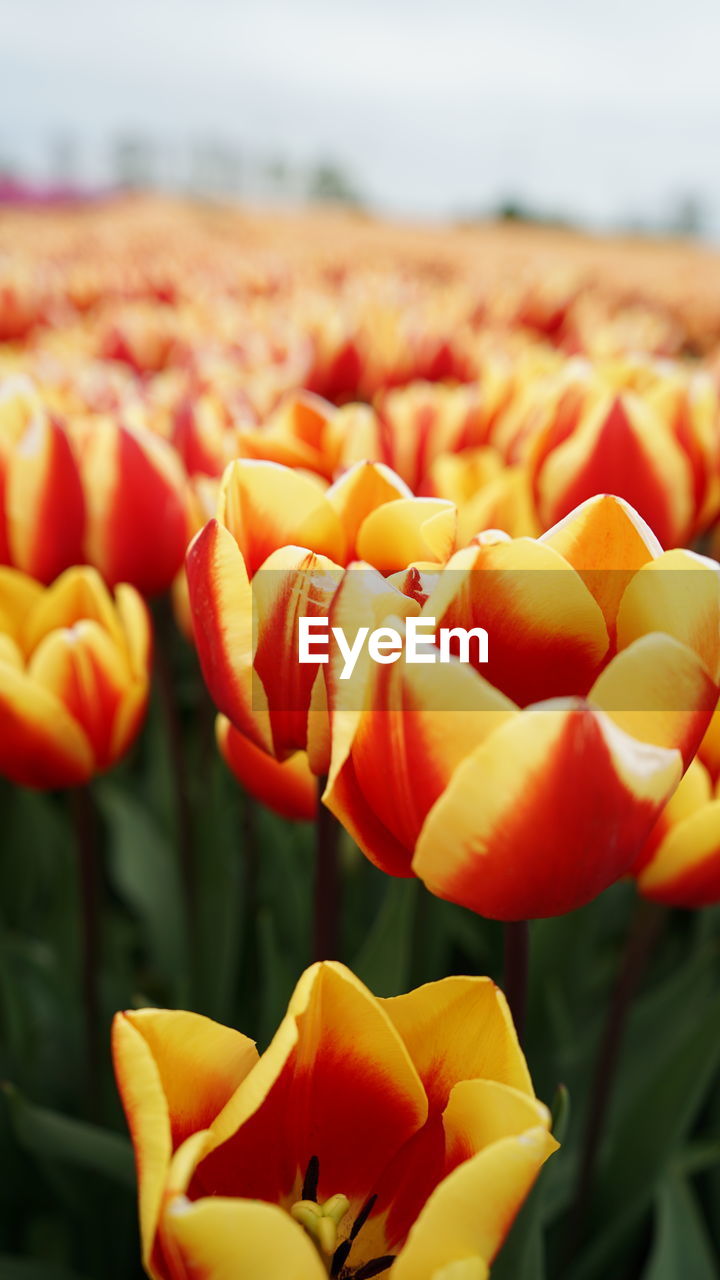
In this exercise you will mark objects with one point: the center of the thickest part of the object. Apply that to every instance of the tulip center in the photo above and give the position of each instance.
(321, 1220)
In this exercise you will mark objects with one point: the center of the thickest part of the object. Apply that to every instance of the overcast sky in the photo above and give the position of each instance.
(606, 111)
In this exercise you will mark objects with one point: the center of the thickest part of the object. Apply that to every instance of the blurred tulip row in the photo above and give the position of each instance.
(504, 876)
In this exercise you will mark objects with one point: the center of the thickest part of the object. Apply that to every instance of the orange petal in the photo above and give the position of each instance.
(606, 541)
(361, 490)
(288, 788)
(391, 762)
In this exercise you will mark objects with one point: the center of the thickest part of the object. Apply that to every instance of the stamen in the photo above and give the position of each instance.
(312, 1177)
(362, 1217)
(374, 1268)
(340, 1257)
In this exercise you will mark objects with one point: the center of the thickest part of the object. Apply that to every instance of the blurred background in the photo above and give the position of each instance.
(604, 116)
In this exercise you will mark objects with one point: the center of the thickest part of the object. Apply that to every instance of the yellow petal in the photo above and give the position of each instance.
(658, 691)
(223, 1239)
(678, 594)
(266, 506)
(410, 529)
(363, 489)
(471, 1211)
(459, 1029)
(175, 1071)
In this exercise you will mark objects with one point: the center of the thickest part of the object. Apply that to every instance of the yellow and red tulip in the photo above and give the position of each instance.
(680, 862)
(138, 516)
(73, 676)
(301, 536)
(42, 507)
(526, 790)
(372, 1136)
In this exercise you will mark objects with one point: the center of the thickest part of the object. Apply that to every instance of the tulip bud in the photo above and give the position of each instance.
(73, 676)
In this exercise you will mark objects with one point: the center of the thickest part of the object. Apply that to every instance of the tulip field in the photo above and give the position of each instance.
(359, 752)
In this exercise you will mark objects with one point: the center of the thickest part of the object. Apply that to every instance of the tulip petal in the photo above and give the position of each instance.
(292, 583)
(361, 490)
(135, 621)
(266, 506)
(398, 533)
(224, 1239)
(606, 541)
(142, 541)
(222, 610)
(621, 437)
(685, 868)
(459, 1029)
(547, 635)
(175, 1071)
(89, 675)
(678, 594)
(18, 596)
(478, 1114)
(390, 765)
(336, 1083)
(471, 1211)
(658, 691)
(45, 507)
(286, 787)
(78, 595)
(547, 813)
(41, 745)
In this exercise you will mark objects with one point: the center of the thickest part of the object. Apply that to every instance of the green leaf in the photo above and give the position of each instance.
(33, 1269)
(648, 1132)
(51, 1138)
(383, 961)
(682, 1246)
(145, 870)
(561, 1113)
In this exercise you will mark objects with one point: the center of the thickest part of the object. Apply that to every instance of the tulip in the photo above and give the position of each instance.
(301, 536)
(525, 786)
(73, 676)
(304, 431)
(42, 508)
(373, 1136)
(680, 862)
(628, 427)
(138, 517)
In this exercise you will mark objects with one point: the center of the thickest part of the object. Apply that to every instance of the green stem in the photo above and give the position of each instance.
(85, 825)
(165, 632)
(328, 887)
(645, 929)
(516, 971)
